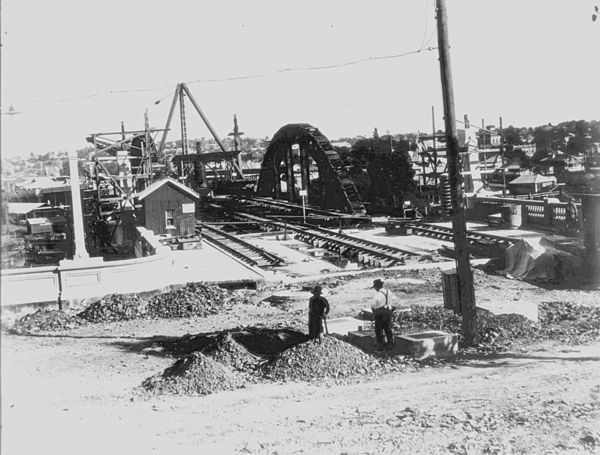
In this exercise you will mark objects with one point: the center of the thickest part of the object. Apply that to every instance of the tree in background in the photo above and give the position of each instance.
(382, 170)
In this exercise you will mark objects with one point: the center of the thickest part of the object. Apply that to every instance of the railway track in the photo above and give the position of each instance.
(262, 206)
(239, 248)
(364, 252)
(447, 234)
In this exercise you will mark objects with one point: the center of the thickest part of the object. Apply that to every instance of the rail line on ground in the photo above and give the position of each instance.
(238, 247)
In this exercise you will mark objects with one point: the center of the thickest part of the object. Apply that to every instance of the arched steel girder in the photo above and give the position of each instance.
(336, 189)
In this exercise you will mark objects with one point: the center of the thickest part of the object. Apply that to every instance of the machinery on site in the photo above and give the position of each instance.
(48, 238)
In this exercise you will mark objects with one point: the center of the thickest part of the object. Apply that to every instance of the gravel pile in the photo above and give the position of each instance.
(495, 332)
(195, 374)
(328, 358)
(116, 307)
(569, 323)
(194, 299)
(229, 352)
(564, 322)
(46, 321)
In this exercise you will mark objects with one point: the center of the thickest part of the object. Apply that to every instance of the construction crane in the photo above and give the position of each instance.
(230, 157)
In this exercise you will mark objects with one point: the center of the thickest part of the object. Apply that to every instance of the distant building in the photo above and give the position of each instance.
(531, 184)
(168, 207)
(592, 157)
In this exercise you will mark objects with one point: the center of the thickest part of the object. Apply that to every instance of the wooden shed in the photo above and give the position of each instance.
(169, 207)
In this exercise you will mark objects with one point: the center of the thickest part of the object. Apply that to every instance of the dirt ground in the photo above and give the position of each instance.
(79, 391)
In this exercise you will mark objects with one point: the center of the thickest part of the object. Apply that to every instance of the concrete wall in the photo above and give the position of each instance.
(19, 286)
(74, 280)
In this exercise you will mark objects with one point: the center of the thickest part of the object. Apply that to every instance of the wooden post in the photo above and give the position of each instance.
(503, 160)
(461, 244)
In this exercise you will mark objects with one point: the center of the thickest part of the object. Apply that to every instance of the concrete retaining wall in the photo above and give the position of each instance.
(74, 280)
(20, 286)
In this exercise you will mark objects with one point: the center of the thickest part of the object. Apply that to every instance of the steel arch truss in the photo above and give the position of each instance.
(291, 162)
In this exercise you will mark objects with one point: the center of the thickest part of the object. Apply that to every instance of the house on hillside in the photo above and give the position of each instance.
(168, 207)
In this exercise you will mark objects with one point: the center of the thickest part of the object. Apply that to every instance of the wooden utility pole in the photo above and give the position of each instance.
(436, 180)
(503, 160)
(461, 244)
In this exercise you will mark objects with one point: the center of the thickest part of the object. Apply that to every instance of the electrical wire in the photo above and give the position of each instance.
(243, 77)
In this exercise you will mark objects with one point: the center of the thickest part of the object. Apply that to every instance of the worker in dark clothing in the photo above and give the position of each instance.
(382, 313)
(318, 309)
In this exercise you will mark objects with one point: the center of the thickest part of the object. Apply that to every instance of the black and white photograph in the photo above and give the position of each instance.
(276, 227)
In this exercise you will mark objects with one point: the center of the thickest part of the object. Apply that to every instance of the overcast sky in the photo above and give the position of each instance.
(531, 62)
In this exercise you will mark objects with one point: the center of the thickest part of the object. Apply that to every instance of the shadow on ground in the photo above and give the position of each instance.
(261, 342)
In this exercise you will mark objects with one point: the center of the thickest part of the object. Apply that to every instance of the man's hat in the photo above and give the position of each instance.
(377, 283)
(317, 289)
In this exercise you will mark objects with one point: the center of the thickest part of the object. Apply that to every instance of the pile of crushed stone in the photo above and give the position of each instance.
(229, 352)
(564, 322)
(116, 307)
(328, 358)
(194, 299)
(569, 323)
(495, 331)
(46, 321)
(195, 374)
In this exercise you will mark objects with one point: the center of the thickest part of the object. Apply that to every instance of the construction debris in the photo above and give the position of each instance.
(194, 299)
(195, 374)
(46, 321)
(570, 323)
(116, 307)
(326, 358)
(229, 352)
(559, 321)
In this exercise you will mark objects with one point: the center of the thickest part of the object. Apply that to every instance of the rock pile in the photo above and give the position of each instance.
(46, 321)
(569, 323)
(559, 321)
(194, 299)
(313, 360)
(195, 374)
(229, 352)
(495, 331)
(116, 307)
(503, 330)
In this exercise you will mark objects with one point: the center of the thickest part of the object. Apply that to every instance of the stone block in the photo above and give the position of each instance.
(430, 343)
(342, 326)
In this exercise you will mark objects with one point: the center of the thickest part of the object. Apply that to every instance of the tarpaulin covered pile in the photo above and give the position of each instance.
(544, 262)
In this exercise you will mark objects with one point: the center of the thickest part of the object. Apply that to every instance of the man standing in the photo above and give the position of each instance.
(318, 309)
(382, 313)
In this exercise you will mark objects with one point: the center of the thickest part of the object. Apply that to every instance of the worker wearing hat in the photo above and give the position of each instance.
(382, 313)
(318, 309)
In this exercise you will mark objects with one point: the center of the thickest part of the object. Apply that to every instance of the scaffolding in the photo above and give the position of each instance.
(122, 166)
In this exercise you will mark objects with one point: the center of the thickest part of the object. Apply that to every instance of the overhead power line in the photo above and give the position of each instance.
(243, 77)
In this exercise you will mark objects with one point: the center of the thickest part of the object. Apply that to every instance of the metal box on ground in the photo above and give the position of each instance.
(426, 344)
